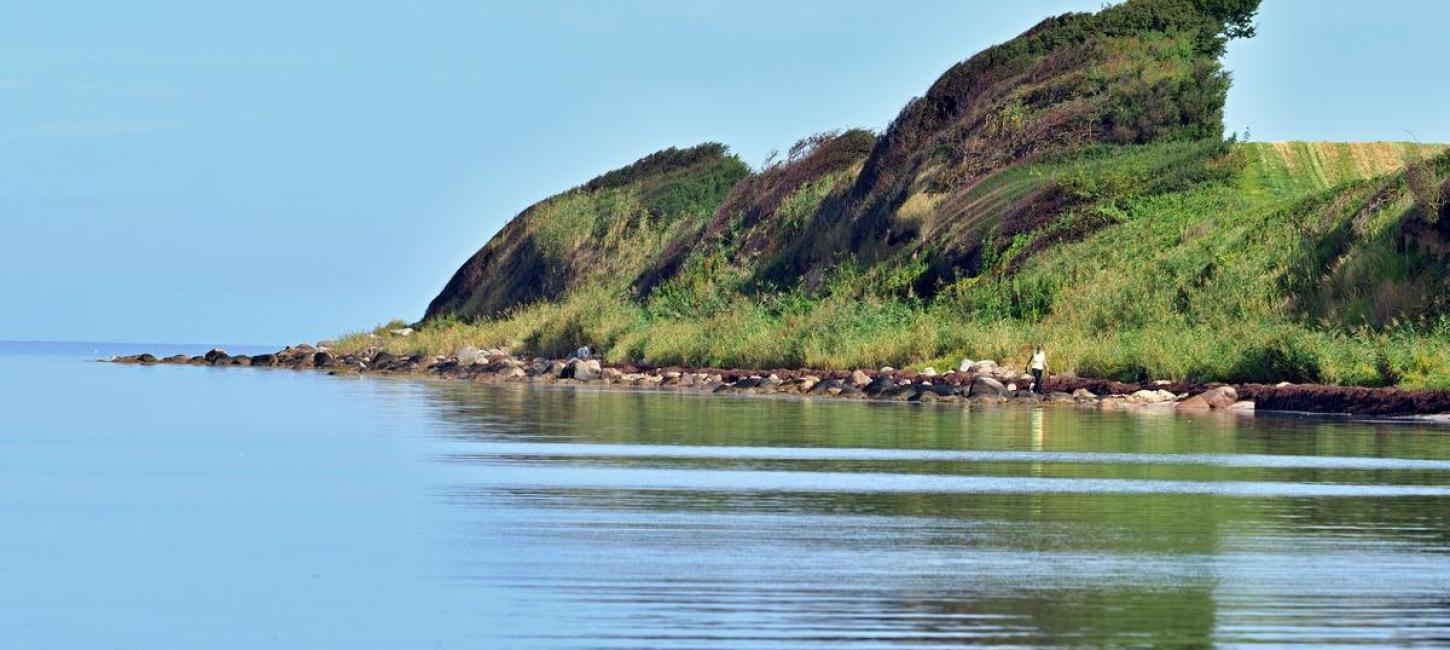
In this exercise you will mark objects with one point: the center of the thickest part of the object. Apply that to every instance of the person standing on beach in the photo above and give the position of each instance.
(1039, 368)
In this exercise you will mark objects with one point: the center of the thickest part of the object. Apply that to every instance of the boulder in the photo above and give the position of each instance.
(965, 365)
(987, 387)
(264, 360)
(1220, 397)
(586, 370)
(513, 372)
(879, 386)
(469, 355)
(215, 353)
(929, 372)
(986, 366)
(859, 379)
(1195, 403)
(1083, 393)
(402, 331)
(241, 360)
(583, 352)
(941, 390)
(826, 385)
(887, 369)
(1151, 397)
(324, 359)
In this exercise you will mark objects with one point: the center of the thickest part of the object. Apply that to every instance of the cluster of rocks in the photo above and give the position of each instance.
(972, 381)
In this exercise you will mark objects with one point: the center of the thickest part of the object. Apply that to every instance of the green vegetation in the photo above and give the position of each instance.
(1070, 187)
(1224, 276)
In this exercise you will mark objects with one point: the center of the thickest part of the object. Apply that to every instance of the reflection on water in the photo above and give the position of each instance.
(668, 521)
(229, 508)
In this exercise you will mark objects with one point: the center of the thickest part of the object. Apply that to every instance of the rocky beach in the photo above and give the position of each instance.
(973, 382)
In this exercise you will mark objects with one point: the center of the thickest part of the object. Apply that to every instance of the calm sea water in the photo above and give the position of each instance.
(191, 507)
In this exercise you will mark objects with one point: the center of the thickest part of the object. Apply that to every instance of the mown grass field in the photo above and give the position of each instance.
(1281, 263)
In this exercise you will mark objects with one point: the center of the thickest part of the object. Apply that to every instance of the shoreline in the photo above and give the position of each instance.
(983, 383)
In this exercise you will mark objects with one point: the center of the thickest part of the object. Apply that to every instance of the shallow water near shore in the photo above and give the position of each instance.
(184, 507)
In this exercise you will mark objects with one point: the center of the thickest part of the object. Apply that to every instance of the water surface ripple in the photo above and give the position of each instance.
(186, 507)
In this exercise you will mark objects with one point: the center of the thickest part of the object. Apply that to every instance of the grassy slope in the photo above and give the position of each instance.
(1194, 282)
(1070, 187)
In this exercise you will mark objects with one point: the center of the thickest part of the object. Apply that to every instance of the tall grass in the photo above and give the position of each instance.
(1202, 282)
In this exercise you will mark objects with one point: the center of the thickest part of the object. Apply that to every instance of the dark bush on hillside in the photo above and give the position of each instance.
(1426, 187)
(1141, 111)
(659, 162)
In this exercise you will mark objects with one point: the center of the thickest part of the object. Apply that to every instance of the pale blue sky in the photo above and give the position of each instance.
(276, 171)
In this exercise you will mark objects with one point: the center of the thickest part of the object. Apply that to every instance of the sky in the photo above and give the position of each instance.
(274, 172)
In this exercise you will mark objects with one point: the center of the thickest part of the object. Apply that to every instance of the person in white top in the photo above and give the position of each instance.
(1039, 368)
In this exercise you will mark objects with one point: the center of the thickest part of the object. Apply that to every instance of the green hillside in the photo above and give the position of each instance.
(1071, 187)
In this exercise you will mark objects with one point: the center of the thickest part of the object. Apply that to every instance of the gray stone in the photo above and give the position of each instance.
(985, 366)
(879, 386)
(469, 355)
(1151, 397)
(826, 385)
(587, 370)
(987, 387)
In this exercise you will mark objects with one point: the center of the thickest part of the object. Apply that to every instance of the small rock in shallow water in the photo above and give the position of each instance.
(825, 386)
(1220, 397)
(1195, 403)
